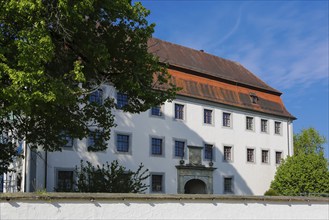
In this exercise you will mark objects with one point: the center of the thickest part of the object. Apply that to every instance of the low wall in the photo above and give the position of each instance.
(145, 206)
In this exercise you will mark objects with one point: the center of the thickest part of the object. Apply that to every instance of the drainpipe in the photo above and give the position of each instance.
(288, 137)
(46, 170)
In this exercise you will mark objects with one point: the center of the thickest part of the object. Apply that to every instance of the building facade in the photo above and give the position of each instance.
(225, 133)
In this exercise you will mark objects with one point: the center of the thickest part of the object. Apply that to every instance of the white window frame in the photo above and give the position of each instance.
(267, 126)
(161, 111)
(280, 127)
(275, 159)
(185, 148)
(252, 124)
(212, 123)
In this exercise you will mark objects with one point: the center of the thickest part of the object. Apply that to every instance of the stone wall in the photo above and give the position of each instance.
(143, 206)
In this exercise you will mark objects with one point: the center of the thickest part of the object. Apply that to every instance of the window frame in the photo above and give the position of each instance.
(123, 101)
(225, 120)
(231, 191)
(252, 123)
(183, 112)
(231, 153)
(129, 142)
(184, 150)
(205, 118)
(276, 161)
(212, 152)
(57, 170)
(254, 155)
(163, 189)
(162, 147)
(279, 128)
(267, 125)
(96, 97)
(161, 111)
(268, 156)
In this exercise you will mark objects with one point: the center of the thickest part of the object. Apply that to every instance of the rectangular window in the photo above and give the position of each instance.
(122, 143)
(208, 151)
(228, 185)
(226, 119)
(227, 153)
(277, 127)
(122, 100)
(156, 146)
(69, 141)
(207, 116)
(250, 123)
(93, 138)
(265, 157)
(157, 183)
(179, 148)
(263, 125)
(250, 155)
(179, 111)
(278, 157)
(156, 111)
(64, 181)
(96, 97)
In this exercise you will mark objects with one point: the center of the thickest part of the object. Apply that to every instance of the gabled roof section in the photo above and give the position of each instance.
(211, 78)
(206, 64)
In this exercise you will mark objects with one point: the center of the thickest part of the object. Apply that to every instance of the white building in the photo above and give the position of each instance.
(226, 132)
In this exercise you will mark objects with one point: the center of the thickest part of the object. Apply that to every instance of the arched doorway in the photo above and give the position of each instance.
(195, 186)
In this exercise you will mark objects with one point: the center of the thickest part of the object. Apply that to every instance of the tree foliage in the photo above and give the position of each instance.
(308, 141)
(306, 172)
(111, 178)
(302, 174)
(54, 53)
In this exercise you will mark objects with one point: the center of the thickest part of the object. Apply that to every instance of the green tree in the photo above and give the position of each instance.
(55, 53)
(306, 172)
(111, 178)
(308, 141)
(302, 174)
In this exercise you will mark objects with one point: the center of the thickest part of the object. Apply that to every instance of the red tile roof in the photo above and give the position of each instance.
(205, 76)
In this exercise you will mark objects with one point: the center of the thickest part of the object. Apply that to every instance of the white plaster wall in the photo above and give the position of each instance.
(158, 209)
(249, 178)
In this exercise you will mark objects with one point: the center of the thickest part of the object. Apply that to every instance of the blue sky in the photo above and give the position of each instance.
(285, 43)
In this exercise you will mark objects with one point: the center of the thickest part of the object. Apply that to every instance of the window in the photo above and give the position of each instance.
(157, 183)
(254, 98)
(227, 153)
(96, 97)
(179, 148)
(278, 157)
(250, 123)
(122, 100)
(179, 111)
(93, 139)
(263, 125)
(207, 116)
(226, 119)
(277, 128)
(250, 155)
(64, 181)
(228, 185)
(156, 148)
(156, 111)
(69, 141)
(122, 143)
(265, 157)
(208, 151)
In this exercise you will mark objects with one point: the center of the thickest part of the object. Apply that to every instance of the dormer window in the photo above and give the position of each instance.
(254, 98)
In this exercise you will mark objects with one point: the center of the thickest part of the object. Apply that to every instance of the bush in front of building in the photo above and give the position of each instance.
(110, 178)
